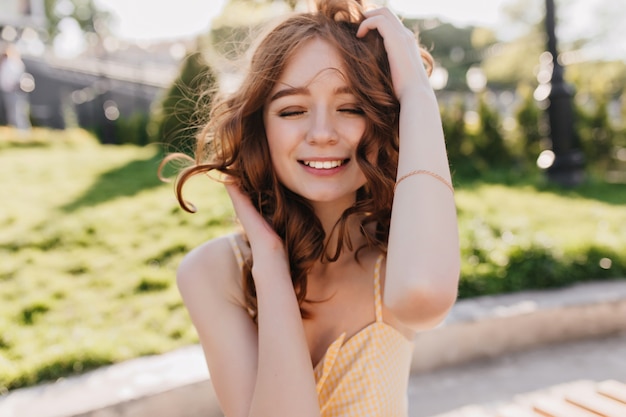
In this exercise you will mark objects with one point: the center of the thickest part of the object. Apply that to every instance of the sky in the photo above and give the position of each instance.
(150, 20)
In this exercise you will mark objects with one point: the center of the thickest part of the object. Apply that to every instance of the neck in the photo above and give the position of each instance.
(329, 212)
(353, 235)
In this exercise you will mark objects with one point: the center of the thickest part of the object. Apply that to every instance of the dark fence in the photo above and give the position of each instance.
(91, 93)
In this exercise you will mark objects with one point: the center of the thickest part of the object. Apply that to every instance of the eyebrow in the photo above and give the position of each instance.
(293, 91)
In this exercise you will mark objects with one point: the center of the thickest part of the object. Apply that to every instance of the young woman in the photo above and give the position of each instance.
(334, 158)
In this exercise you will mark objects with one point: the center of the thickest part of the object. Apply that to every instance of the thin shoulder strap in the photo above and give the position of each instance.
(377, 291)
(236, 251)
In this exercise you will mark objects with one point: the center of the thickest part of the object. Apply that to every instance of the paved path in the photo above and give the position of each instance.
(496, 381)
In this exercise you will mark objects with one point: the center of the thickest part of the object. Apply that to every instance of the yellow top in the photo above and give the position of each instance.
(366, 375)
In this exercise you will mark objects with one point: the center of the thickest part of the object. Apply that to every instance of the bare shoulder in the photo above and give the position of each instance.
(211, 270)
(209, 281)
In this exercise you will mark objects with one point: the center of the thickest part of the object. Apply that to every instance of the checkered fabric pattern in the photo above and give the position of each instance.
(367, 374)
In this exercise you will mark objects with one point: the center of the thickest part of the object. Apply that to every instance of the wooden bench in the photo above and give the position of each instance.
(575, 399)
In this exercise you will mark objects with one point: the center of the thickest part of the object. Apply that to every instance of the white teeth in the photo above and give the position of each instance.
(323, 164)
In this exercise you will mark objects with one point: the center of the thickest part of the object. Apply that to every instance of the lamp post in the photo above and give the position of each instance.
(568, 166)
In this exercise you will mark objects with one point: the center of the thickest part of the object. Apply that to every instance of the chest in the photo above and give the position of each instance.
(346, 307)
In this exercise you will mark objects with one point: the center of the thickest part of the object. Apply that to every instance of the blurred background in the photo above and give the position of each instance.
(104, 64)
(95, 92)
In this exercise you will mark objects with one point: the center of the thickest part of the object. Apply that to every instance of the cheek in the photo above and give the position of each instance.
(278, 149)
(272, 135)
(275, 141)
(278, 132)
(358, 130)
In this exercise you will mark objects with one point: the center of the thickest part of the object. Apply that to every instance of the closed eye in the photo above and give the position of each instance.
(352, 110)
(291, 113)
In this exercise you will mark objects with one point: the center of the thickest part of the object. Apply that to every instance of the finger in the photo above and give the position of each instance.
(384, 21)
(380, 11)
(251, 220)
(386, 14)
(365, 26)
(241, 203)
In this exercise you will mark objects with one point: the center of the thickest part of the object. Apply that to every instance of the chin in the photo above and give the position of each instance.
(340, 199)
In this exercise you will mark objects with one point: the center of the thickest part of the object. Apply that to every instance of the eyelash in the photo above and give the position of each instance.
(355, 110)
(290, 113)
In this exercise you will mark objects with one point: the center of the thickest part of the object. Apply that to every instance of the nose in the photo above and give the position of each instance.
(322, 129)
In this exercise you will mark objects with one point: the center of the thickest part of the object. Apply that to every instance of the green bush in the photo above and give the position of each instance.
(483, 148)
(489, 143)
(528, 117)
(597, 135)
(536, 267)
(453, 121)
(132, 130)
(11, 137)
(51, 368)
(183, 109)
(475, 150)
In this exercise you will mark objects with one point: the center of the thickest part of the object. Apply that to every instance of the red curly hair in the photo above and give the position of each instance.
(234, 142)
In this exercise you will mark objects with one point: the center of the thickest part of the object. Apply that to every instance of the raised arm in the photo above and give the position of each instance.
(256, 372)
(423, 254)
(285, 385)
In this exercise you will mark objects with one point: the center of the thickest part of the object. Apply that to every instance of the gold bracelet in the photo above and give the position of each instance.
(426, 172)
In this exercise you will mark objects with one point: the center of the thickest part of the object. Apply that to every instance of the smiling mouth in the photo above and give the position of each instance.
(324, 164)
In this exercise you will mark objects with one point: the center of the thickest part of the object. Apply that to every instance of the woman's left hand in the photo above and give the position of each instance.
(405, 61)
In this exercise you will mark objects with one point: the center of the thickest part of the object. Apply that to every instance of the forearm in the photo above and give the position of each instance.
(422, 144)
(423, 258)
(285, 385)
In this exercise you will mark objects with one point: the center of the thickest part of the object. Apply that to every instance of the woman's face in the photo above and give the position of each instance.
(313, 125)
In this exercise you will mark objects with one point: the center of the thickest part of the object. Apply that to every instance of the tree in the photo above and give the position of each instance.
(456, 49)
(84, 12)
(598, 38)
(232, 31)
(183, 109)
(509, 63)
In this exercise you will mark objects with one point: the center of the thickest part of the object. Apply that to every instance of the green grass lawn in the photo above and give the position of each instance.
(90, 240)
(89, 243)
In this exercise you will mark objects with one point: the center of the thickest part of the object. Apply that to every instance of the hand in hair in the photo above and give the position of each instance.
(406, 60)
(267, 248)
